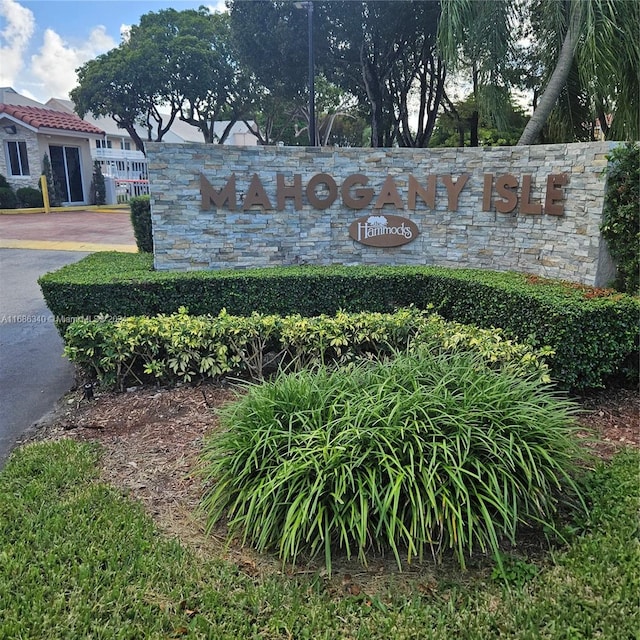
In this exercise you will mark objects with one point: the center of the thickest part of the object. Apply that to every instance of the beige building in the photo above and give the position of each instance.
(124, 166)
(29, 130)
(117, 151)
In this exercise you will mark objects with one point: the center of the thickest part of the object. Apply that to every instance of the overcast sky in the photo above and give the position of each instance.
(42, 42)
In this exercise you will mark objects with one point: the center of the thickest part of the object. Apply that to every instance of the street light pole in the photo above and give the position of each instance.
(312, 89)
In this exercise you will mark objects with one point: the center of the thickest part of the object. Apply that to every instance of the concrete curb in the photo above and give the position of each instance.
(52, 245)
(40, 210)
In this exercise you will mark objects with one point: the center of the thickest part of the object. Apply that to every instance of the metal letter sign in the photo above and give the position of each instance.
(383, 230)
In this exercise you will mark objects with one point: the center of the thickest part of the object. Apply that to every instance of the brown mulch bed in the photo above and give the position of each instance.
(150, 442)
(613, 417)
(151, 439)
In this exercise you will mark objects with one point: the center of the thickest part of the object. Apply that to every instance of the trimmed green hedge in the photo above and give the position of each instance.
(8, 198)
(593, 332)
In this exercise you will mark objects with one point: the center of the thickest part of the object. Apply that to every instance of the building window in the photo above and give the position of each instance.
(127, 146)
(103, 144)
(18, 161)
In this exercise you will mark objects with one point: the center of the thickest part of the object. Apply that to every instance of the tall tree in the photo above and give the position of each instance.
(270, 38)
(381, 52)
(122, 84)
(174, 64)
(597, 40)
(476, 38)
(385, 54)
(197, 63)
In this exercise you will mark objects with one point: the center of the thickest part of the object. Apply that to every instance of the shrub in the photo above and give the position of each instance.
(593, 332)
(621, 219)
(8, 198)
(98, 187)
(166, 349)
(140, 207)
(424, 453)
(29, 197)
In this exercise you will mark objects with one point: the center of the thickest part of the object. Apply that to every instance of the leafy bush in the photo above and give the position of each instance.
(593, 332)
(179, 347)
(8, 198)
(98, 187)
(29, 197)
(423, 453)
(140, 207)
(621, 219)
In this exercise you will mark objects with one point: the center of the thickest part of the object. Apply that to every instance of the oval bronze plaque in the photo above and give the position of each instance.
(383, 230)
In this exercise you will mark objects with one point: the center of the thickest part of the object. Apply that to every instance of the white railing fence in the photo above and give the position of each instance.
(121, 191)
(122, 164)
(127, 189)
(125, 174)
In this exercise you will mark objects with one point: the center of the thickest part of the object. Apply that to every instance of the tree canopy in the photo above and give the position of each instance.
(174, 64)
(384, 67)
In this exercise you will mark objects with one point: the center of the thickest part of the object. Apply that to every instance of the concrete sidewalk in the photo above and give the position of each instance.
(80, 230)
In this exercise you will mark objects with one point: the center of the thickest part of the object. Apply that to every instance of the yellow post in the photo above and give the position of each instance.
(45, 193)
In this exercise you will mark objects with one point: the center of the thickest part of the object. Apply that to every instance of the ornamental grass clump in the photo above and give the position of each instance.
(418, 455)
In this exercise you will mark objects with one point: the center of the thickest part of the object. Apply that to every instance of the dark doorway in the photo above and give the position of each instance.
(66, 167)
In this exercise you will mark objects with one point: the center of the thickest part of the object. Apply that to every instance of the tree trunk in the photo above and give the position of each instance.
(474, 120)
(474, 124)
(558, 78)
(435, 104)
(130, 129)
(602, 117)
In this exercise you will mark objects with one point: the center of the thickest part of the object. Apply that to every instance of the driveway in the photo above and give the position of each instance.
(33, 372)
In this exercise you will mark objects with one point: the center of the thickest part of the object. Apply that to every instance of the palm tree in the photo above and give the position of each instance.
(476, 36)
(598, 38)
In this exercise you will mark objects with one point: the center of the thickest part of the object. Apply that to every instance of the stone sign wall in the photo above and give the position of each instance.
(533, 209)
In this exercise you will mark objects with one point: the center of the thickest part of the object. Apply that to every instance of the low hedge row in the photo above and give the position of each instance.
(593, 332)
(181, 348)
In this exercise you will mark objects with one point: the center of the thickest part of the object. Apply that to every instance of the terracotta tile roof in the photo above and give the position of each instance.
(48, 118)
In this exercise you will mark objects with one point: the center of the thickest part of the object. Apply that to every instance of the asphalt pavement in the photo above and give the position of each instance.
(34, 375)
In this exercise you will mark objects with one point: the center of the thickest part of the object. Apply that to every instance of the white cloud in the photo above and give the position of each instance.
(56, 61)
(14, 40)
(50, 72)
(218, 7)
(125, 32)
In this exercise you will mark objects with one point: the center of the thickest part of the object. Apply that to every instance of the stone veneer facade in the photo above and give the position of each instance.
(567, 246)
(30, 138)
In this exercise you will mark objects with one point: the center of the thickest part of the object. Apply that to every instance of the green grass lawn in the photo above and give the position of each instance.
(79, 560)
